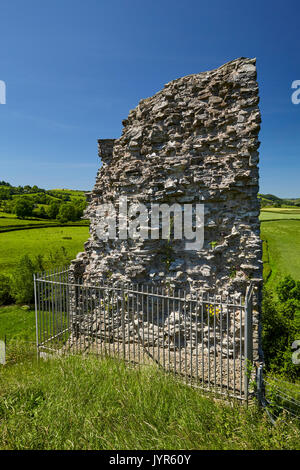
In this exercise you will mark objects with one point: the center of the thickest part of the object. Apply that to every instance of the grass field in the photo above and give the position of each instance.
(281, 248)
(10, 222)
(17, 323)
(87, 403)
(279, 215)
(39, 241)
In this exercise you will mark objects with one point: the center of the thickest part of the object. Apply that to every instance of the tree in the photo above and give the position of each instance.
(280, 328)
(5, 295)
(5, 193)
(23, 207)
(288, 289)
(80, 205)
(8, 206)
(22, 282)
(66, 213)
(22, 286)
(53, 210)
(41, 213)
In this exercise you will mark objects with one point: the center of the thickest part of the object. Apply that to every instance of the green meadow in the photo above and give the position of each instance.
(279, 215)
(15, 244)
(9, 223)
(280, 232)
(17, 323)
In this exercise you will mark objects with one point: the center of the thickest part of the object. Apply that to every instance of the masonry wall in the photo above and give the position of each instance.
(195, 141)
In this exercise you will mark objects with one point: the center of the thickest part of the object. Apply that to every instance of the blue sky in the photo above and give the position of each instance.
(73, 70)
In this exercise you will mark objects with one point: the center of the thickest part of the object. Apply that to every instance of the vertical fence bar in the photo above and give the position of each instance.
(174, 332)
(128, 322)
(180, 328)
(197, 343)
(227, 342)
(46, 303)
(123, 322)
(185, 333)
(169, 334)
(191, 342)
(133, 323)
(234, 346)
(61, 336)
(241, 351)
(152, 308)
(36, 317)
(39, 299)
(221, 344)
(140, 289)
(248, 350)
(158, 323)
(215, 344)
(118, 320)
(68, 310)
(99, 325)
(208, 342)
(202, 339)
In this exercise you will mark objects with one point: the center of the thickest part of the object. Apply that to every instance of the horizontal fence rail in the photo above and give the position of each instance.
(205, 339)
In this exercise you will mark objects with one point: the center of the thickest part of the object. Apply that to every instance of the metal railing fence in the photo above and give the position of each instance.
(205, 339)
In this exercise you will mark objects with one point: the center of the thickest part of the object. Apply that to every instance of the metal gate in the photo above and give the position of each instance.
(203, 338)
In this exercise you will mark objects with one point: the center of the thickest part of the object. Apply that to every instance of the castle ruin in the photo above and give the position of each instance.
(193, 142)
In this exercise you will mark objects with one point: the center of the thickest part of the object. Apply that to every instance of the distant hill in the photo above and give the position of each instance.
(269, 200)
(46, 196)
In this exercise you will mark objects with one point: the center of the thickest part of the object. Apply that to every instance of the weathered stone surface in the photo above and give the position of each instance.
(195, 141)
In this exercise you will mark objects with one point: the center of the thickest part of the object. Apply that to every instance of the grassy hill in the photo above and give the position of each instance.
(269, 200)
(41, 203)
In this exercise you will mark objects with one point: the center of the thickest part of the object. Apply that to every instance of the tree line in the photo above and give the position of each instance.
(27, 202)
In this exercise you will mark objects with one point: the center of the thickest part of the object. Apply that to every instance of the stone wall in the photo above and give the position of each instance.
(195, 141)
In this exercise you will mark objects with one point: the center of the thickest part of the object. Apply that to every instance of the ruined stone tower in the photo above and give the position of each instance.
(195, 141)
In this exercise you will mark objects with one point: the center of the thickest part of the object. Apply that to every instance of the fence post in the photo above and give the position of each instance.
(3, 351)
(36, 317)
(123, 321)
(260, 385)
(248, 341)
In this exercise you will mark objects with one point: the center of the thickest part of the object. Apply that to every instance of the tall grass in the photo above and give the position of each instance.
(87, 403)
